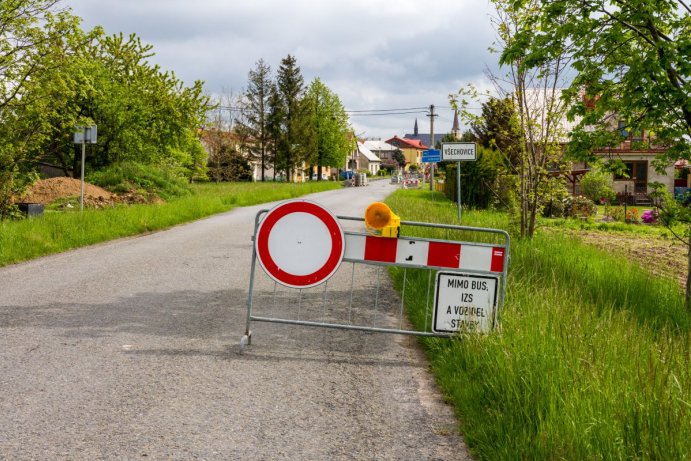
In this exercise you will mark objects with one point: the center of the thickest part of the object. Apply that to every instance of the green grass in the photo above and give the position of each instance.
(593, 360)
(55, 232)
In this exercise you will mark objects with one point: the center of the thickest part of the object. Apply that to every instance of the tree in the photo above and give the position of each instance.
(535, 96)
(31, 37)
(256, 108)
(330, 140)
(290, 148)
(498, 129)
(631, 61)
(398, 157)
(477, 179)
(274, 121)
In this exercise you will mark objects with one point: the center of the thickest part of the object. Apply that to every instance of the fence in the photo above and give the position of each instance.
(471, 269)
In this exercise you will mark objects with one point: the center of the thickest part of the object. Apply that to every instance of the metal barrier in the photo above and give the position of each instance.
(358, 296)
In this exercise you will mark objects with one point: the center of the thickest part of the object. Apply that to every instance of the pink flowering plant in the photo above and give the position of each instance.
(649, 216)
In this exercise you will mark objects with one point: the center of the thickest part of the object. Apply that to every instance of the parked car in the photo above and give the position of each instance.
(347, 174)
(325, 177)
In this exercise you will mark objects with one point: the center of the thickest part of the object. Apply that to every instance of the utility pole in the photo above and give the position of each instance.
(431, 116)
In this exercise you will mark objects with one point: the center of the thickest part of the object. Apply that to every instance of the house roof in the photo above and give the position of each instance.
(379, 146)
(406, 142)
(424, 138)
(368, 154)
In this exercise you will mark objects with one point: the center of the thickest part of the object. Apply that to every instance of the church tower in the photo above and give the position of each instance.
(456, 129)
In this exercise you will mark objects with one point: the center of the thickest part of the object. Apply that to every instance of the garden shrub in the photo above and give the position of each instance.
(166, 181)
(579, 207)
(597, 186)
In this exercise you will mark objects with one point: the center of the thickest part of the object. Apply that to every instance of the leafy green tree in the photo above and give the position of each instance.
(143, 113)
(398, 157)
(31, 38)
(256, 113)
(498, 129)
(630, 58)
(329, 135)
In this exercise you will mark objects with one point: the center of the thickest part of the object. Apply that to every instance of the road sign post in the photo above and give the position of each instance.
(84, 135)
(431, 156)
(459, 152)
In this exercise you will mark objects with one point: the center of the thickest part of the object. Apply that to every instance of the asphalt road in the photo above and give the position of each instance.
(130, 350)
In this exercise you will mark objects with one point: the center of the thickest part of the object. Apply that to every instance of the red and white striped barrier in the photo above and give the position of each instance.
(424, 253)
(407, 183)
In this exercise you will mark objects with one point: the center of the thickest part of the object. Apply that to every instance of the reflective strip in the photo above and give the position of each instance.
(423, 253)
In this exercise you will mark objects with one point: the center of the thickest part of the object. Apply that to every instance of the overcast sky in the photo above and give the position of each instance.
(375, 54)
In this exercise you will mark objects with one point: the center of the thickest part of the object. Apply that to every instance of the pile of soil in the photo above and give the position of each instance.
(47, 191)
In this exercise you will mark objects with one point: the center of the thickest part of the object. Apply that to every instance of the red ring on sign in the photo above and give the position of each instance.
(274, 270)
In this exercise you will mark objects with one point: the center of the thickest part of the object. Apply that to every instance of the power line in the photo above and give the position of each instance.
(388, 110)
(385, 113)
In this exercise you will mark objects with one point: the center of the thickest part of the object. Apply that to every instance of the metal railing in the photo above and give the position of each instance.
(360, 295)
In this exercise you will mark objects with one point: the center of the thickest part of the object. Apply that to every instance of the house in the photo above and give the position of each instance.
(411, 149)
(637, 151)
(384, 151)
(363, 159)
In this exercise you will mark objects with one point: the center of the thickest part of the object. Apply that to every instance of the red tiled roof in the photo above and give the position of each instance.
(404, 142)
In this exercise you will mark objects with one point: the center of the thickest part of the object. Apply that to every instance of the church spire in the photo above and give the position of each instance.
(415, 128)
(456, 129)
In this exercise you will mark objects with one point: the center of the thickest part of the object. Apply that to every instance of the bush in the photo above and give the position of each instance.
(649, 216)
(615, 212)
(579, 207)
(597, 186)
(632, 216)
(553, 209)
(166, 181)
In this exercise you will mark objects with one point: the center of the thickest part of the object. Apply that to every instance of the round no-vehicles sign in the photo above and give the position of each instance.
(464, 302)
(299, 244)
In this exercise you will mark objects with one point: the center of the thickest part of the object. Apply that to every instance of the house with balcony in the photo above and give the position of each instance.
(637, 151)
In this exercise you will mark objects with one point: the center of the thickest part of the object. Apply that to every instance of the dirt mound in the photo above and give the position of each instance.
(48, 190)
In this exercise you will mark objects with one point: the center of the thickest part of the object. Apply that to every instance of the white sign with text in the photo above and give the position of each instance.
(464, 302)
(459, 151)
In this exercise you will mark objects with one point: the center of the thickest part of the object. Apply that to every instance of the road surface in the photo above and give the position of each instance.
(130, 350)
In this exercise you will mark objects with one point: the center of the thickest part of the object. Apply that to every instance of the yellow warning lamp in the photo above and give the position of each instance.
(380, 220)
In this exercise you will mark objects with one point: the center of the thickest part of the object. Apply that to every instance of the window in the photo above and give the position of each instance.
(635, 171)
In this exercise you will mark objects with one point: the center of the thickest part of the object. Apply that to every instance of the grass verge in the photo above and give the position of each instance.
(593, 361)
(56, 232)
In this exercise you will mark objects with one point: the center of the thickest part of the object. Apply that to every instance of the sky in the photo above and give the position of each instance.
(374, 54)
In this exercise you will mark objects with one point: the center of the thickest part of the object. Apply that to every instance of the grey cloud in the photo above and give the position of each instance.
(373, 53)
